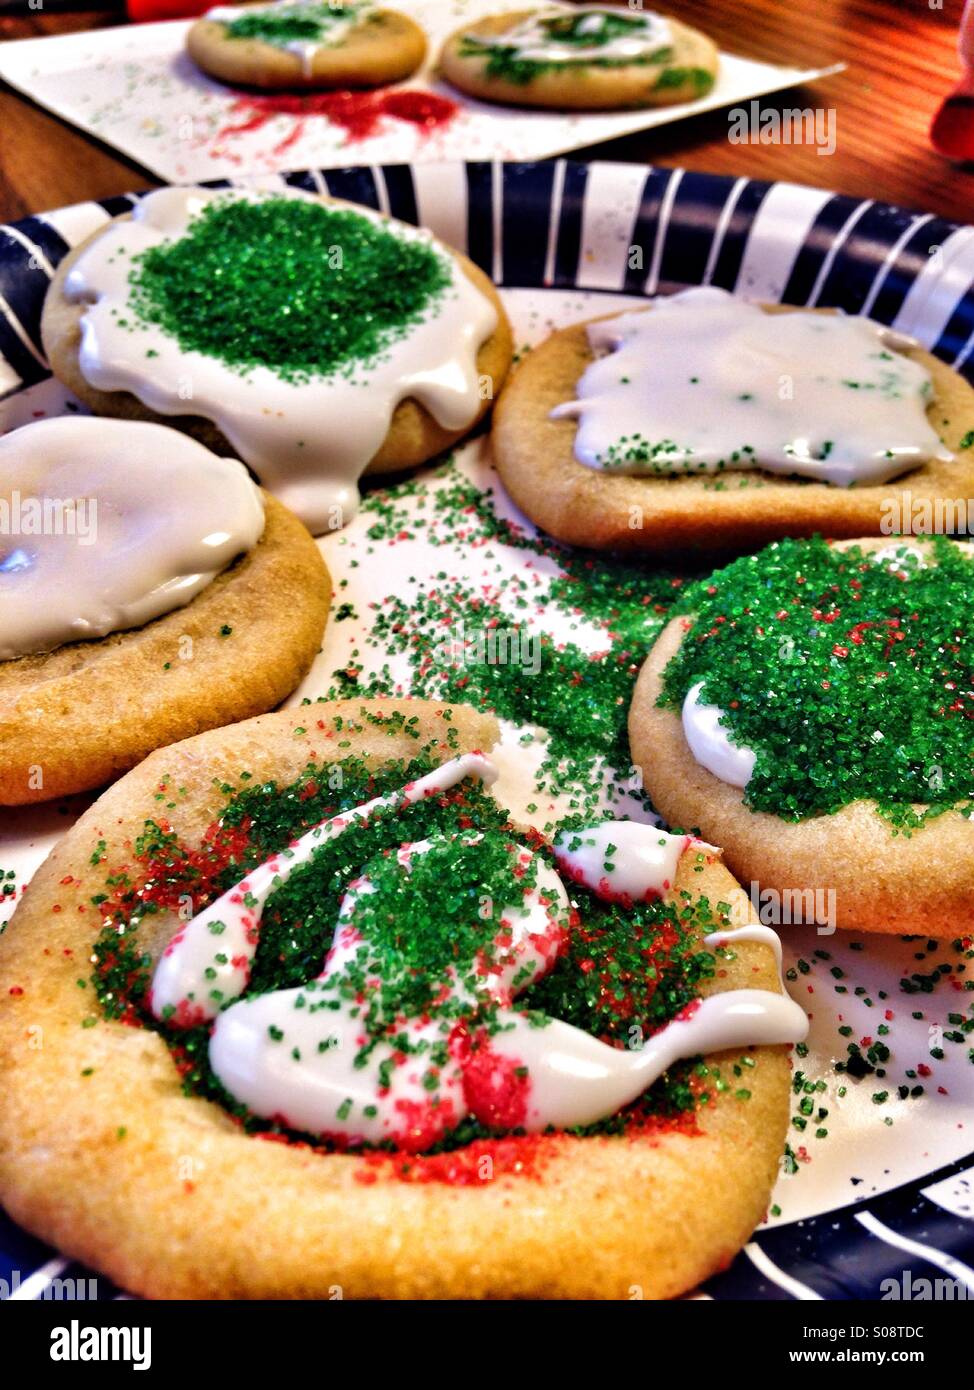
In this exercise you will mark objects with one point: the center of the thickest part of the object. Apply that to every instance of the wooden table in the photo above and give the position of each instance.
(900, 54)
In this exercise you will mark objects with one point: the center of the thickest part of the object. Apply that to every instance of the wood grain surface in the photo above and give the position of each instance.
(901, 57)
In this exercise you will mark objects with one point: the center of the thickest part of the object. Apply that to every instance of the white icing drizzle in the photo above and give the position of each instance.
(534, 42)
(901, 556)
(107, 524)
(710, 742)
(576, 1079)
(333, 1092)
(342, 20)
(296, 1055)
(207, 962)
(621, 859)
(702, 382)
(308, 442)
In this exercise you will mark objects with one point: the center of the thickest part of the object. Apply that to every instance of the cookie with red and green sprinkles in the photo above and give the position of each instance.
(583, 58)
(192, 957)
(308, 44)
(810, 709)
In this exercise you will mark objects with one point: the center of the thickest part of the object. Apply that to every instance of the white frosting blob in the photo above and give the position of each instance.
(710, 741)
(621, 858)
(577, 1079)
(701, 382)
(901, 556)
(534, 42)
(308, 442)
(107, 524)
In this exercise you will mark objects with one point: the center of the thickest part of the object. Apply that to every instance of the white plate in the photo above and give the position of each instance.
(135, 88)
(573, 226)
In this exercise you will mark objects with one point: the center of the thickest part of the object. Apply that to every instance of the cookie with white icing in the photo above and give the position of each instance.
(314, 44)
(148, 589)
(811, 712)
(159, 1173)
(589, 58)
(706, 424)
(316, 340)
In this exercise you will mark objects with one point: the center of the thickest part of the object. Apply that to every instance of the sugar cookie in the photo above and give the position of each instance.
(147, 590)
(217, 1028)
(703, 424)
(306, 43)
(590, 58)
(316, 340)
(811, 713)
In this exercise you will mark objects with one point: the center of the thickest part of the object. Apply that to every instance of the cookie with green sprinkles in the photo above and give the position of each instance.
(315, 340)
(588, 58)
(152, 1171)
(309, 44)
(810, 710)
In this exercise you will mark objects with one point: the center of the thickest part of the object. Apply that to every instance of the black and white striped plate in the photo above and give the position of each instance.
(566, 228)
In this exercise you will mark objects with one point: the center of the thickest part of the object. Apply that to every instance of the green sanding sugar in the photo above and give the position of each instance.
(699, 78)
(285, 24)
(439, 922)
(302, 289)
(850, 678)
(504, 61)
(579, 697)
(625, 971)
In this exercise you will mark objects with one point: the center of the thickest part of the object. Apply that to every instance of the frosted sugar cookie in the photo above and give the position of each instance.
(811, 712)
(314, 339)
(704, 423)
(591, 57)
(306, 43)
(148, 590)
(404, 1003)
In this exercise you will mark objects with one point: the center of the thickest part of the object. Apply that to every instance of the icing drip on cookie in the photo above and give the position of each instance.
(107, 524)
(621, 860)
(295, 327)
(705, 730)
(411, 1025)
(590, 35)
(208, 962)
(900, 558)
(301, 27)
(703, 383)
(409, 1086)
(577, 1080)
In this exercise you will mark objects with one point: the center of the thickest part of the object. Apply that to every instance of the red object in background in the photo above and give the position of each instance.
(952, 131)
(139, 10)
